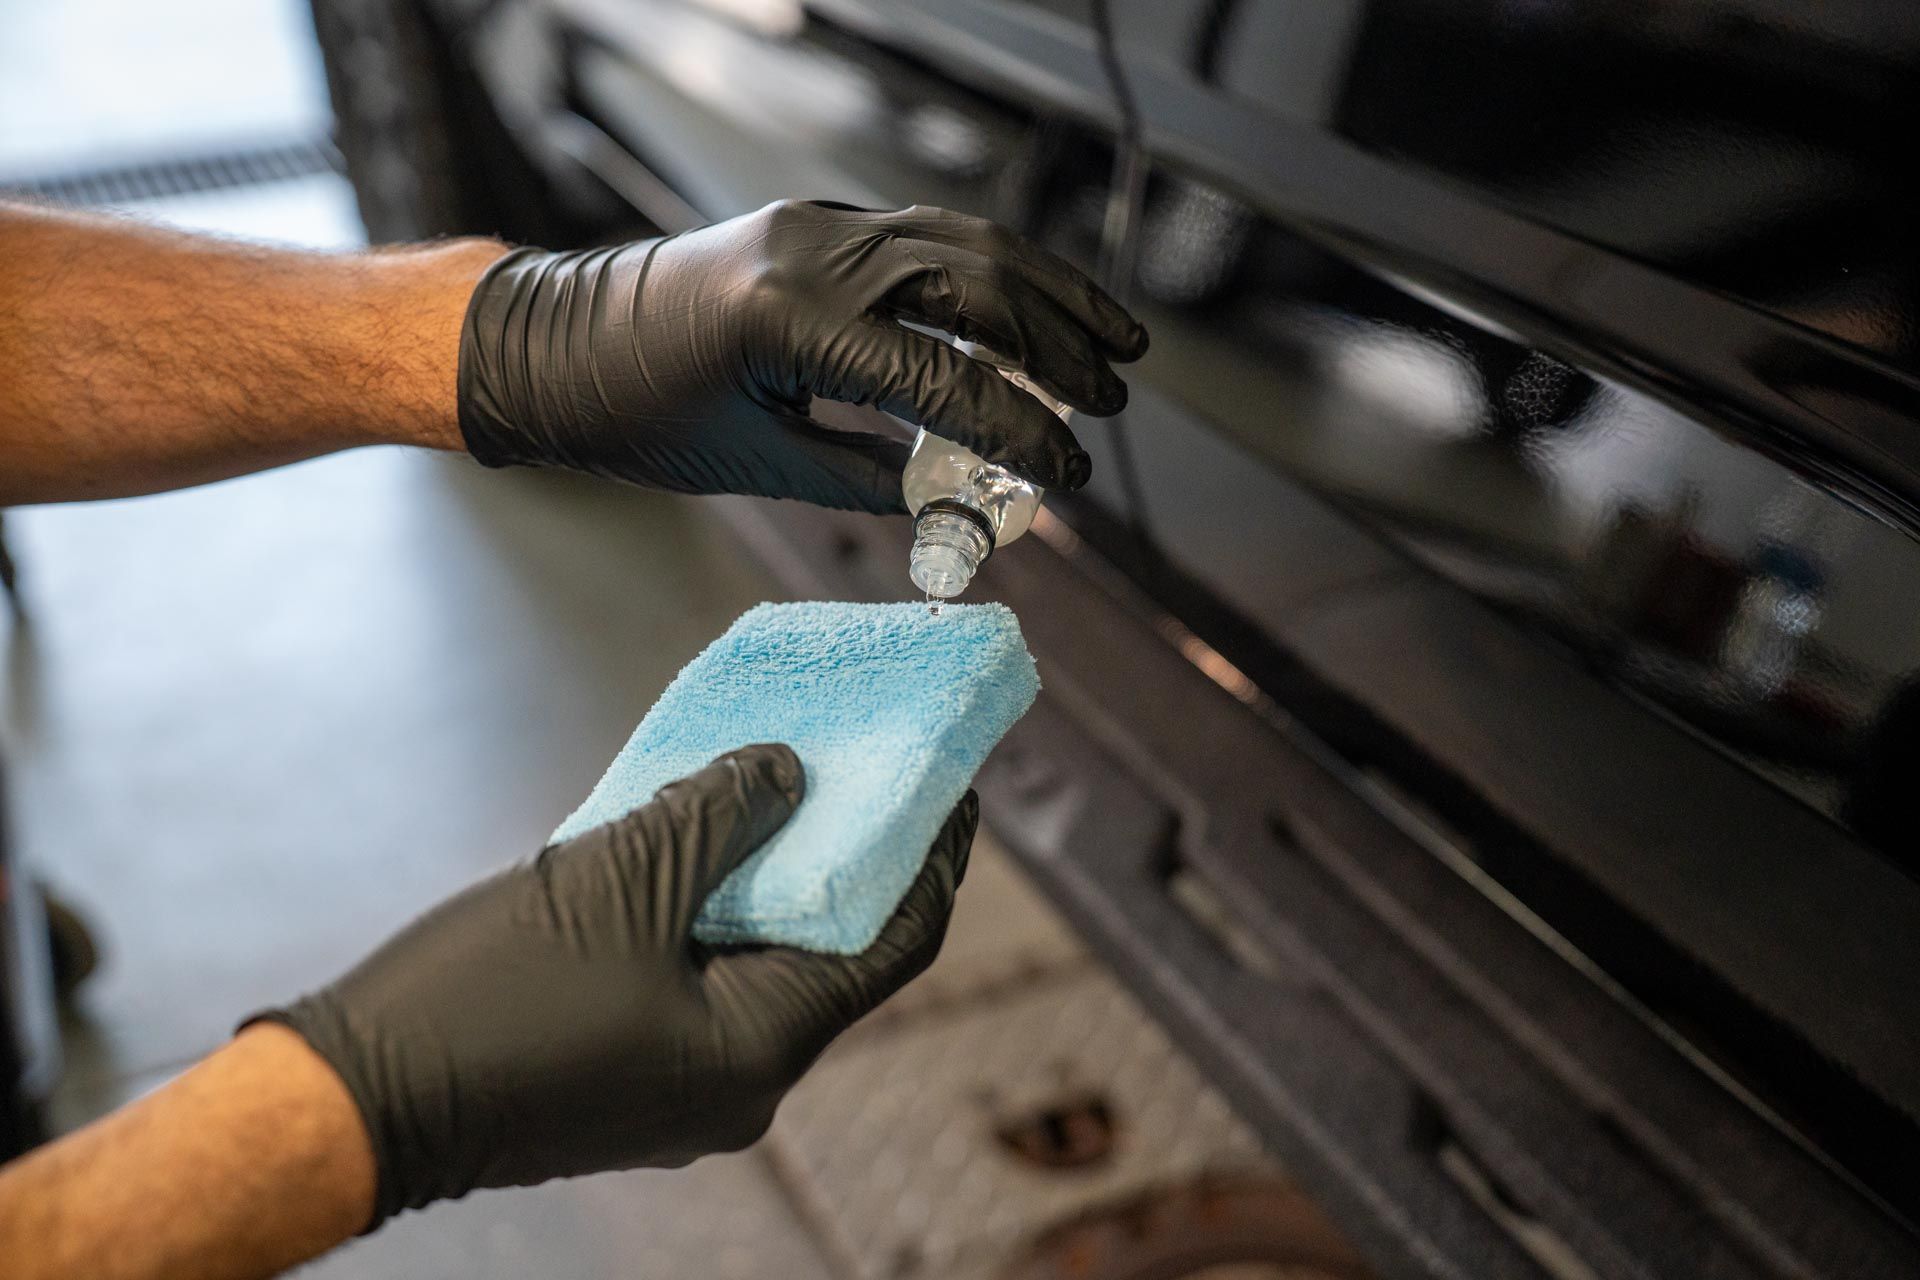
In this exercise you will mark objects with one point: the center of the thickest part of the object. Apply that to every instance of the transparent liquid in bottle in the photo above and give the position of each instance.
(948, 546)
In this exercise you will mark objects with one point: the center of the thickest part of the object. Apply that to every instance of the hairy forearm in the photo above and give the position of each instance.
(134, 359)
(251, 1162)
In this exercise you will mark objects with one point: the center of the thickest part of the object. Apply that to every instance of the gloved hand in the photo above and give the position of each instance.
(688, 362)
(557, 1019)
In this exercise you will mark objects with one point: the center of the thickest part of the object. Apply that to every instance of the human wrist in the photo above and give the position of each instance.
(330, 1140)
(248, 1163)
(322, 1024)
(430, 288)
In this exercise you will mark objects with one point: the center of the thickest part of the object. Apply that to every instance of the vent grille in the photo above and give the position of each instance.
(212, 170)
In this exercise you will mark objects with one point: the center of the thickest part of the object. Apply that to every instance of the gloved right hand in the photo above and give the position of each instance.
(688, 362)
(557, 1019)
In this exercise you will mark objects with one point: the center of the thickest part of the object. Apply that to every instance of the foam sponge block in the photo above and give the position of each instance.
(891, 711)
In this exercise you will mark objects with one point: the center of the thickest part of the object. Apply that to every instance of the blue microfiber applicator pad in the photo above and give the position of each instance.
(891, 711)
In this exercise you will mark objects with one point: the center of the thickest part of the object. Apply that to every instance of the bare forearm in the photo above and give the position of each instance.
(134, 359)
(251, 1162)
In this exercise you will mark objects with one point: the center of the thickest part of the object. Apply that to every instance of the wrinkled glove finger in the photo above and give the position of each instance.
(910, 940)
(1118, 333)
(846, 470)
(694, 832)
(925, 380)
(812, 997)
(912, 937)
(977, 299)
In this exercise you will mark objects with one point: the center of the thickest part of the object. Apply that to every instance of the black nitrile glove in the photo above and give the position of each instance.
(688, 362)
(557, 1019)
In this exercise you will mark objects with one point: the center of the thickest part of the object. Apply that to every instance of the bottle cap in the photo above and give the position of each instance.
(950, 540)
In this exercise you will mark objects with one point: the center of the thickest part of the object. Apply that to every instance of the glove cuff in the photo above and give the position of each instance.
(494, 386)
(527, 353)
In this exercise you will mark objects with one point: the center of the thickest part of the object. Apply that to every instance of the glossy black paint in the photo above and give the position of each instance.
(1741, 591)
(1763, 150)
(1757, 599)
(1760, 608)
(1598, 315)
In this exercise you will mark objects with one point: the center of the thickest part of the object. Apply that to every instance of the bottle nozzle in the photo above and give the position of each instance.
(949, 544)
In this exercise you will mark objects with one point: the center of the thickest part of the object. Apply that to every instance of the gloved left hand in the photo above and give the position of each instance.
(688, 362)
(557, 1019)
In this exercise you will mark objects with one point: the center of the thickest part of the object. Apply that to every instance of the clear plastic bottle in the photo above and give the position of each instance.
(964, 506)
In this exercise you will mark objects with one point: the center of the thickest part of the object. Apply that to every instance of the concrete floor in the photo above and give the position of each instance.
(253, 727)
(258, 725)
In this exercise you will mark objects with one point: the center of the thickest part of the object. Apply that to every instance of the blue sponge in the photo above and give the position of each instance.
(891, 711)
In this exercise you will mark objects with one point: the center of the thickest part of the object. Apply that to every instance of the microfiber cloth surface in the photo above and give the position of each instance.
(890, 709)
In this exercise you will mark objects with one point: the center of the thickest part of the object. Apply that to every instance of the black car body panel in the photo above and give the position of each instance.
(1508, 633)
